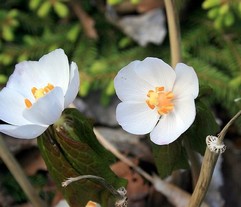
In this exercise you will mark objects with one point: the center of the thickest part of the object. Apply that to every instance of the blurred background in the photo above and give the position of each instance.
(102, 37)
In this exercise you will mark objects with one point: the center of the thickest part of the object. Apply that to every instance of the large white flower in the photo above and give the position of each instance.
(37, 93)
(157, 99)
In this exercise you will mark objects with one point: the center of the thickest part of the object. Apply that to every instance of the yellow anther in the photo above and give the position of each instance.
(161, 100)
(50, 86)
(33, 90)
(159, 88)
(27, 103)
(38, 93)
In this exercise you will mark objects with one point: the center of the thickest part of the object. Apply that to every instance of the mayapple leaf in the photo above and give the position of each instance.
(70, 149)
(204, 125)
(169, 157)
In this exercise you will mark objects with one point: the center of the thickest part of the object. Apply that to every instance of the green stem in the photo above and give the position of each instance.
(209, 162)
(19, 175)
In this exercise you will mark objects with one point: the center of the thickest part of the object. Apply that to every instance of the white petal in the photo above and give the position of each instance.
(51, 68)
(56, 64)
(22, 132)
(11, 107)
(156, 72)
(73, 87)
(172, 125)
(48, 109)
(27, 75)
(128, 86)
(136, 118)
(186, 83)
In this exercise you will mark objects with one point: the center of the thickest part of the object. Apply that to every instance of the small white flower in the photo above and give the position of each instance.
(37, 93)
(157, 99)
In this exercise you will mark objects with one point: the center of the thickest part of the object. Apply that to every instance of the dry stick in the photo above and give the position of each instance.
(87, 22)
(175, 45)
(209, 162)
(19, 175)
(175, 195)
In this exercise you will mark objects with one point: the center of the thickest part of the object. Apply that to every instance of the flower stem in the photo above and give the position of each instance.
(175, 45)
(174, 32)
(209, 162)
(19, 175)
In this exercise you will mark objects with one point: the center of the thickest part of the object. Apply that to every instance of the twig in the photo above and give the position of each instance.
(19, 175)
(175, 195)
(209, 162)
(87, 22)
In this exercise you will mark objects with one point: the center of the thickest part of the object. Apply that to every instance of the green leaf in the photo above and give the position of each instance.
(73, 33)
(229, 19)
(7, 33)
(110, 90)
(44, 9)
(213, 13)
(61, 9)
(224, 9)
(84, 87)
(203, 126)
(169, 157)
(210, 3)
(70, 149)
(33, 4)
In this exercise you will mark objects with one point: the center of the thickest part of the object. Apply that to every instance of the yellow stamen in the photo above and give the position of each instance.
(38, 93)
(161, 100)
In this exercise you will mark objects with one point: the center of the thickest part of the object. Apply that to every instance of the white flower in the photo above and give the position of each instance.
(157, 99)
(37, 93)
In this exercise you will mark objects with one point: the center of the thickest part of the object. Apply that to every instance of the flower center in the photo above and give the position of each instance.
(38, 93)
(161, 100)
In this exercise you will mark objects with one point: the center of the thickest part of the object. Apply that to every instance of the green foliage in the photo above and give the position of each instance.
(223, 13)
(70, 149)
(215, 56)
